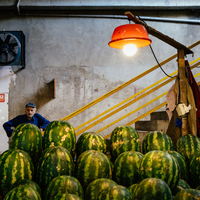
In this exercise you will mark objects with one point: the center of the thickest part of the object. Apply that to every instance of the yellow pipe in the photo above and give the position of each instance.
(158, 97)
(119, 104)
(122, 86)
(142, 116)
(124, 106)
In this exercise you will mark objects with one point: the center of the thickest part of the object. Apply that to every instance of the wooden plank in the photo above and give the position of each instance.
(158, 34)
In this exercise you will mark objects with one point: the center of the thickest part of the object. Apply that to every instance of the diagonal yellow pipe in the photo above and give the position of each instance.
(142, 116)
(149, 102)
(122, 86)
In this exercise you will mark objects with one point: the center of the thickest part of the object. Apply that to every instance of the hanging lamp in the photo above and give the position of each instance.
(129, 34)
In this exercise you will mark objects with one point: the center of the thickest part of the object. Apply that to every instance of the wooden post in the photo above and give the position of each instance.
(183, 88)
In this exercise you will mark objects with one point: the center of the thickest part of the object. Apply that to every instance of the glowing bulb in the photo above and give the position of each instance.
(130, 49)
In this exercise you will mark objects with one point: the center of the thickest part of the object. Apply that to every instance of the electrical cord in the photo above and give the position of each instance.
(155, 55)
(159, 64)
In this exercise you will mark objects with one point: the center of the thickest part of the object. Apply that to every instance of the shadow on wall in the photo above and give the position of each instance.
(45, 94)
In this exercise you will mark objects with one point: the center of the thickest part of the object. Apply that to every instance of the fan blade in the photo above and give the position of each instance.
(1, 41)
(13, 45)
(12, 53)
(7, 39)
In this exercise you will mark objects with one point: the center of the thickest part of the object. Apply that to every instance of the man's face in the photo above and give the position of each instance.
(30, 112)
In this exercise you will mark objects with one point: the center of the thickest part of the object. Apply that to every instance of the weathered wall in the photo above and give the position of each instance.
(75, 52)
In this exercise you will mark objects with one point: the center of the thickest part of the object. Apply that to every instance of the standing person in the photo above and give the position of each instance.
(30, 117)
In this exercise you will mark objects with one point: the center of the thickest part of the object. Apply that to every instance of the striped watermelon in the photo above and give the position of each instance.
(152, 189)
(157, 140)
(123, 138)
(15, 165)
(194, 170)
(30, 183)
(23, 192)
(125, 170)
(182, 185)
(27, 137)
(115, 192)
(92, 165)
(96, 186)
(188, 194)
(63, 184)
(65, 196)
(187, 146)
(182, 164)
(90, 141)
(55, 161)
(60, 133)
(162, 165)
(133, 187)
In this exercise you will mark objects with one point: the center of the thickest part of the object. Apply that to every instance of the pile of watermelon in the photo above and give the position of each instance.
(57, 167)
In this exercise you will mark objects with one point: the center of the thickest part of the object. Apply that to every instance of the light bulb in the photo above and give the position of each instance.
(129, 49)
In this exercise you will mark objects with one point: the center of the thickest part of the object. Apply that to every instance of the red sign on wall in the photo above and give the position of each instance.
(2, 97)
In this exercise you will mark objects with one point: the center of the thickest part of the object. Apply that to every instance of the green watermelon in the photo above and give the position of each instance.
(194, 170)
(123, 138)
(125, 171)
(92, 165)
(188, 194)
(63, 184)
(182, 164)
(133, 187)
(116, 192)
(181, 186)
(22, 193)
(156, 140)
(96, 186)
(90, 141)
(30, 183)
(152, 189)
(187, 146)
(65, 196)
(55, 161)
(162, 165)
(15, 165)
(27, 137)
(60, 133)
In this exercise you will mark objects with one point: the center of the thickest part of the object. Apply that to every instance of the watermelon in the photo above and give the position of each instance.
(30, 183)
(90, 141)
(152, 189)
(65, 196)
(188, 194)
(156, 140)
(125, 171)
(181, 186)
(187, 146)
(162, 165)
(15, 165)
(60, 133)
(27, 137)
(123, 138)
(96, 186)
(116, 192)
(23, 192)
(55, 161)
(133, 187)
(92, 165)
(194, 170)
(63, 184)
(182, 164)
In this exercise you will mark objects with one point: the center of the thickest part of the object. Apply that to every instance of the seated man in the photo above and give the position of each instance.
(30, 117)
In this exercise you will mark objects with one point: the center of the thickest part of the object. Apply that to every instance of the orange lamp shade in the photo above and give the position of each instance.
(129, 34)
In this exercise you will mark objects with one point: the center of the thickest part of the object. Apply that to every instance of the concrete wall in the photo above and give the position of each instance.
(75, 52)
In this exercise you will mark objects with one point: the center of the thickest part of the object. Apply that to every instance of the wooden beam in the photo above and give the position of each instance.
(183, 88)
(158, 34)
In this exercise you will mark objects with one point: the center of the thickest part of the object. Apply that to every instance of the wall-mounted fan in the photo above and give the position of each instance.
(12, 48)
